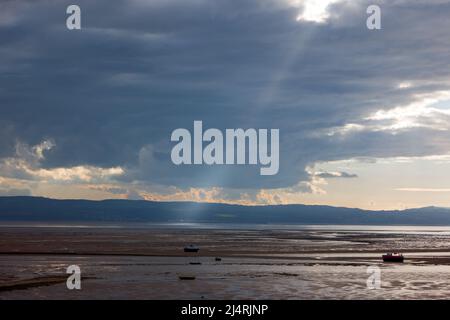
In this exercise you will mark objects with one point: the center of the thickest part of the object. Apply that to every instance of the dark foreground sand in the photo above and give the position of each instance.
(145, 263)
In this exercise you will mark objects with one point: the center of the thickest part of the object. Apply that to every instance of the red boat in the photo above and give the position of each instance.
(393, 257)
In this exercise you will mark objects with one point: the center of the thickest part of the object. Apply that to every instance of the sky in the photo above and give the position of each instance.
(363, 115)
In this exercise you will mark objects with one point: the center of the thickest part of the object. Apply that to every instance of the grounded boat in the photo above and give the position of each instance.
(186, 277)
(191, 248)
(393, 257)
(218, 259)
(195, 262)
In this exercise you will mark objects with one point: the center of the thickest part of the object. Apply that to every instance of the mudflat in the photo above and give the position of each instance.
(146, 263)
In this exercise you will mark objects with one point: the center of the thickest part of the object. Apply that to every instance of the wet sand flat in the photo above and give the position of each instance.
(145, 263)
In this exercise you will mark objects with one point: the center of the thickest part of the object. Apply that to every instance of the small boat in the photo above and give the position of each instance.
(186, 277)
(195, 262)
(191, 248)
(218, 259)
(393, 257)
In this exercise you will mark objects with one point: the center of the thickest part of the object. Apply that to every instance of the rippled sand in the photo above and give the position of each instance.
(256, 264)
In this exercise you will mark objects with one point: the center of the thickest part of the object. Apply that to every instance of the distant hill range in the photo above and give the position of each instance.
(38, 209)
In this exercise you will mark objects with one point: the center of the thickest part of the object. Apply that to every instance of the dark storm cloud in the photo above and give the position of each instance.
(111, 94)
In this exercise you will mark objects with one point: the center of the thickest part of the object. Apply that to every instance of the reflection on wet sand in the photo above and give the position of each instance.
(145, 263)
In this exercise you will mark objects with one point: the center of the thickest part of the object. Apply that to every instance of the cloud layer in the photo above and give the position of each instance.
(97, 106)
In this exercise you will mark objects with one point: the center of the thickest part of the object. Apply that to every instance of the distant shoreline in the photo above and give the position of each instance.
(43, 210)
(226, 226)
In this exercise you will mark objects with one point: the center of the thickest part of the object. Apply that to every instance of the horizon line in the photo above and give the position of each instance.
(227, 203)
